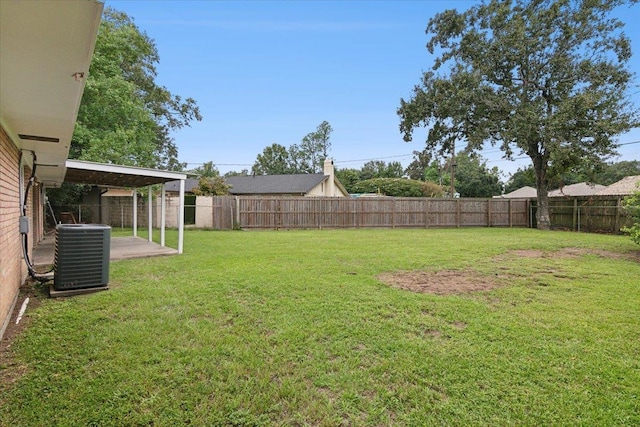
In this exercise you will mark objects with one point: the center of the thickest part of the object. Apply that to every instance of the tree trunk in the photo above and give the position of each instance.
(543, 219)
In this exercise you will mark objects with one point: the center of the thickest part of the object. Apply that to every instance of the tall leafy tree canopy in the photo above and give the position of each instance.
(206, 170)
(381, 169)
(306, 157)
(125, 117)
(316, 145)
(604, 174)
(274, 160)
(523, 177)
(473, 178)
(372, 170)
(545, 78)
(419, 164)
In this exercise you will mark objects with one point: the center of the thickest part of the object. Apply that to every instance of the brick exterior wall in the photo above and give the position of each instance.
(13, 270)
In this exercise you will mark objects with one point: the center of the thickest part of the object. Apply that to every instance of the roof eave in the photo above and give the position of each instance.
(45, 53)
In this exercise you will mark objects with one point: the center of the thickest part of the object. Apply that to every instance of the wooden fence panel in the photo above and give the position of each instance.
(222, 217)
(472, 213)
(410, 213)
(498, 213)
(258, 212)
(443, 212)
(591, 214)
(387, 212)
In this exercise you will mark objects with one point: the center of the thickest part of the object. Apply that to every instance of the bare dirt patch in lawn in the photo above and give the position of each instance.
(570, 253)
(443, 282)
(578, 252)
(528, 253)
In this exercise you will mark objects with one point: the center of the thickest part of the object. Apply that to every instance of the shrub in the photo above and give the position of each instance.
(632, 206)
(399, 187)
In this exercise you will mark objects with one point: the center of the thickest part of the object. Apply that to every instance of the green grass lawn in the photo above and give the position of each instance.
(294, 328)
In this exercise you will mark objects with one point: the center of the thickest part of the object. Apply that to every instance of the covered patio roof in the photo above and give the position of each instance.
(108, 175)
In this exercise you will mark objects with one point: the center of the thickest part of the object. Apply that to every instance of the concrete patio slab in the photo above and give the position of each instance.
(121, 248)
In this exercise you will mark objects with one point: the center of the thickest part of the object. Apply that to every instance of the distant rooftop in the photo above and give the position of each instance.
(575, 190)
(274, 184)
(521, 193)
(627, 185)
(298, 184)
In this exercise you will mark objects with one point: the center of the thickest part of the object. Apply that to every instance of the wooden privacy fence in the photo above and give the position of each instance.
(597, 214)
(226, 212)
(603, 214)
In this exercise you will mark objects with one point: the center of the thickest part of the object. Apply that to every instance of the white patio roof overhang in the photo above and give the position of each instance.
(109, 175)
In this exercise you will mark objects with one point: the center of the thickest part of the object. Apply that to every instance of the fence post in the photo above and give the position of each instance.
(575, 214)
(510, 214)
(238, 211)
(354, 203)
(426, 214)
(458, 212)
(393, 213)
(488, 212)
(213, 213)
(616, 223)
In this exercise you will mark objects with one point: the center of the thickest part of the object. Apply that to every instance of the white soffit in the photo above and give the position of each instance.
(45, 52)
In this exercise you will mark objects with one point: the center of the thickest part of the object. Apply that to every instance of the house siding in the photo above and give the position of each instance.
(13, 271)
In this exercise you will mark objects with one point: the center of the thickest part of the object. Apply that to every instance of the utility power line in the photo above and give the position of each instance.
(487, 151)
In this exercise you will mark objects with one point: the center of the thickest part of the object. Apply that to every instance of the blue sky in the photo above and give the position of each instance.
(265, 72)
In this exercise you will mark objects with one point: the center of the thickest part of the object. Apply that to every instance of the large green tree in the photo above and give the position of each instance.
(472, 176)
(604, 174)
(614, 172)
(274, 160)
(545, 78)
(381, 169)
(523, 177)
(373, 169)
(206, 170)
(349, 177)
(419, 164)
(125, 117)
(315, 146)
(306, 157)
(474, 179)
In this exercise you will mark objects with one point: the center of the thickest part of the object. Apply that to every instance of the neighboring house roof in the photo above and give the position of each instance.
(627, 185)
(189, 185)
(297, 184)
(579, 189)
(521, 193)
(274, 184)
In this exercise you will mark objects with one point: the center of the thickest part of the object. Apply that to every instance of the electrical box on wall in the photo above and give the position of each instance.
(24, 224)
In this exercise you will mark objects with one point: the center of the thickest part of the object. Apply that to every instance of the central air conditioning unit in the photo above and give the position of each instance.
(82, 256)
